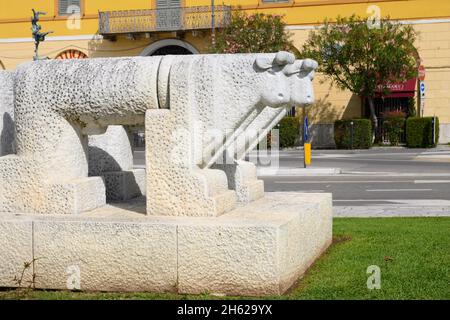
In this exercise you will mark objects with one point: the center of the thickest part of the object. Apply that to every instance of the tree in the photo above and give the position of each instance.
(363, 57)
(253, 33)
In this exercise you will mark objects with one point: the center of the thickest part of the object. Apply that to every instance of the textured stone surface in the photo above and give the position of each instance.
(176, 186)
(256, 127)
(6, 113)
(57, 105)
(24, 188)
(242, 178)
(205, 102)
(16, 249)
(111, 256)
(217, 96)
(261, 248)
(111, 157)
(300, 75)
(124, 185)
(111, 151)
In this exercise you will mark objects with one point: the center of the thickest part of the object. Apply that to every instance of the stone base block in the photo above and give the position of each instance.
(258, 249)
(76, 196)
(16, 250)
(243, 179)
(24, 188)
(106, 255)
(251, 191)
(124, 185)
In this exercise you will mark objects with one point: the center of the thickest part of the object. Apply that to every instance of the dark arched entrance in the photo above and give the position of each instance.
(175, 50)
(161, 48)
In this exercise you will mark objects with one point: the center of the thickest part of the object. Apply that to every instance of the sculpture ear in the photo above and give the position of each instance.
(283, 58)
(309, 65)
(263, 62)
(293, 68)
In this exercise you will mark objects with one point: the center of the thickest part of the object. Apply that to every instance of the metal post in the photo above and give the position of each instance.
(433, 123)
(351, 135)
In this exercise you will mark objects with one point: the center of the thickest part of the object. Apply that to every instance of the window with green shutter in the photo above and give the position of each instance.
(161, 4)
(69, 7)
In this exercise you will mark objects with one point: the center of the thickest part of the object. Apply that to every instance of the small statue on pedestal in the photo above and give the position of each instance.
(38, 36)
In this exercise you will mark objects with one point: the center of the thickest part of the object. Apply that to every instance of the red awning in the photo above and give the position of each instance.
(400, 90)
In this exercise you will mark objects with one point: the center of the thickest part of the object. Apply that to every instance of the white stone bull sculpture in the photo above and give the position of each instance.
(59, 103)
(242, 174)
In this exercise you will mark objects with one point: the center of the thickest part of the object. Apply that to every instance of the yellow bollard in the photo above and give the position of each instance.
(307, 149)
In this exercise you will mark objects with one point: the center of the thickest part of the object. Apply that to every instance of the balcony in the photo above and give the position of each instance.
(162, 20)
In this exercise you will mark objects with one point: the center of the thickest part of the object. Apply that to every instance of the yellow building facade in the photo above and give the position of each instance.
(104, 28)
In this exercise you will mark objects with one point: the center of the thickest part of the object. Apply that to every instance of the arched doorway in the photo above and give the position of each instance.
(71, 54)
(171, 50)
(169, 46)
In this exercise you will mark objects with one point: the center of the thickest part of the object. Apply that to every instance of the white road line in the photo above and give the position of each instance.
(407, 202)
(337, 181)
(394, 190)
(365, 200)
(390, 174)
(431, 181)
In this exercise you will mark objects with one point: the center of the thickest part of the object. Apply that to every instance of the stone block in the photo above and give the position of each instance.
(258, 249)
(107, 255)
(76, 196)
(16, 249)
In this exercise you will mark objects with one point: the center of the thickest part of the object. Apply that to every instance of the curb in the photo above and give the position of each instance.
(297, 171)
(389, 211)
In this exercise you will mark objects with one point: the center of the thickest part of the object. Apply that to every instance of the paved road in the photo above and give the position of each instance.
(412, 179)
(373, 177)
(391, 160)
(358, 190)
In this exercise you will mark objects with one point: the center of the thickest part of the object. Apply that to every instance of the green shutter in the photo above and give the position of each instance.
(68, 7)
(168, 4)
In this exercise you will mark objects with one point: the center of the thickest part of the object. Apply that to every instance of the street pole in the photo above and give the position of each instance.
(351, 135)
(434, 130)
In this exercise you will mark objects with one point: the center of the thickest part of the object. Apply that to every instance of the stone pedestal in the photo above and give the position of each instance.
(258, 249)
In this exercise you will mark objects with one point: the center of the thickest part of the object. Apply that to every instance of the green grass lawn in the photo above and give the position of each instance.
(412, 253)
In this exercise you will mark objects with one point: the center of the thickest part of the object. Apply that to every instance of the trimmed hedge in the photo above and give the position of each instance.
(289, 131)
(362, 134)
(419, 132)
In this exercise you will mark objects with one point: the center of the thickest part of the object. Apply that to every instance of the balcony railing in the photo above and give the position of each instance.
(161, 20)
